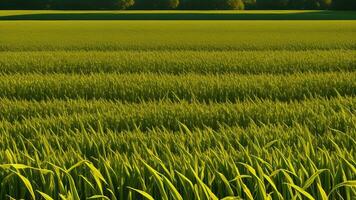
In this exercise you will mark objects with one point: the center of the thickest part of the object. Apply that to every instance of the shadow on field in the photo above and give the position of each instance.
(70, 15)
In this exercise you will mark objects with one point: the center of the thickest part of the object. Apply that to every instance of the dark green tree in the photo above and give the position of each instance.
(200, 4)
(156, 4)
(249, 4)
(233, 4)
(326, 4)
(167, 4)
(310, 4)
(272, 4)
(125, 4)
(213, 4)
(344, 4)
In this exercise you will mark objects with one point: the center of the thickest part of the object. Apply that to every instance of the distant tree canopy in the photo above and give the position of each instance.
(295, 4)
(178, 4)
(156, 4)
(344, 4)
(212, 4)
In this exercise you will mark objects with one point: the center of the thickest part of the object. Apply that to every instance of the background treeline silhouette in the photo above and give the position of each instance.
(178, 4)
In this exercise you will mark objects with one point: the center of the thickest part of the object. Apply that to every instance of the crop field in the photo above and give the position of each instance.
(110, 108)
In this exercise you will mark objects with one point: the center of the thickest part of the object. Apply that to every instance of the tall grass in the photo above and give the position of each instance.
(143, 87)
(318, 115)
(178, 62)
(275, 162)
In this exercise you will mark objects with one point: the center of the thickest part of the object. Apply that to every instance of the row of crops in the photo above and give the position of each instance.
(205, 121)
(177, 62)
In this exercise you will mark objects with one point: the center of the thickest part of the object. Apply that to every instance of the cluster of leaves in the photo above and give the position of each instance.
(258, 162)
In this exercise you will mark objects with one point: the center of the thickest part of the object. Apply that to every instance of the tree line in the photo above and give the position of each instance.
(178, 4)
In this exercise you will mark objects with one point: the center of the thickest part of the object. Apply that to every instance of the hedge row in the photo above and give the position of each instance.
(178, 4)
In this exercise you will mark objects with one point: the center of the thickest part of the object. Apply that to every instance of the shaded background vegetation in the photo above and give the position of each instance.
(178, 4)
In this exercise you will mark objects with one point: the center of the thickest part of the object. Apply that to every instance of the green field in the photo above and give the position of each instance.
(194, 35)
(202, 106)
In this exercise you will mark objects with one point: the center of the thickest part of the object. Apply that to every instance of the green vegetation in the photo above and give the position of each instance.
(147, 87)
(178, 62)
(178, 4)
(336, 113)
(177, 35)
(178, 15)
(177, 109)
